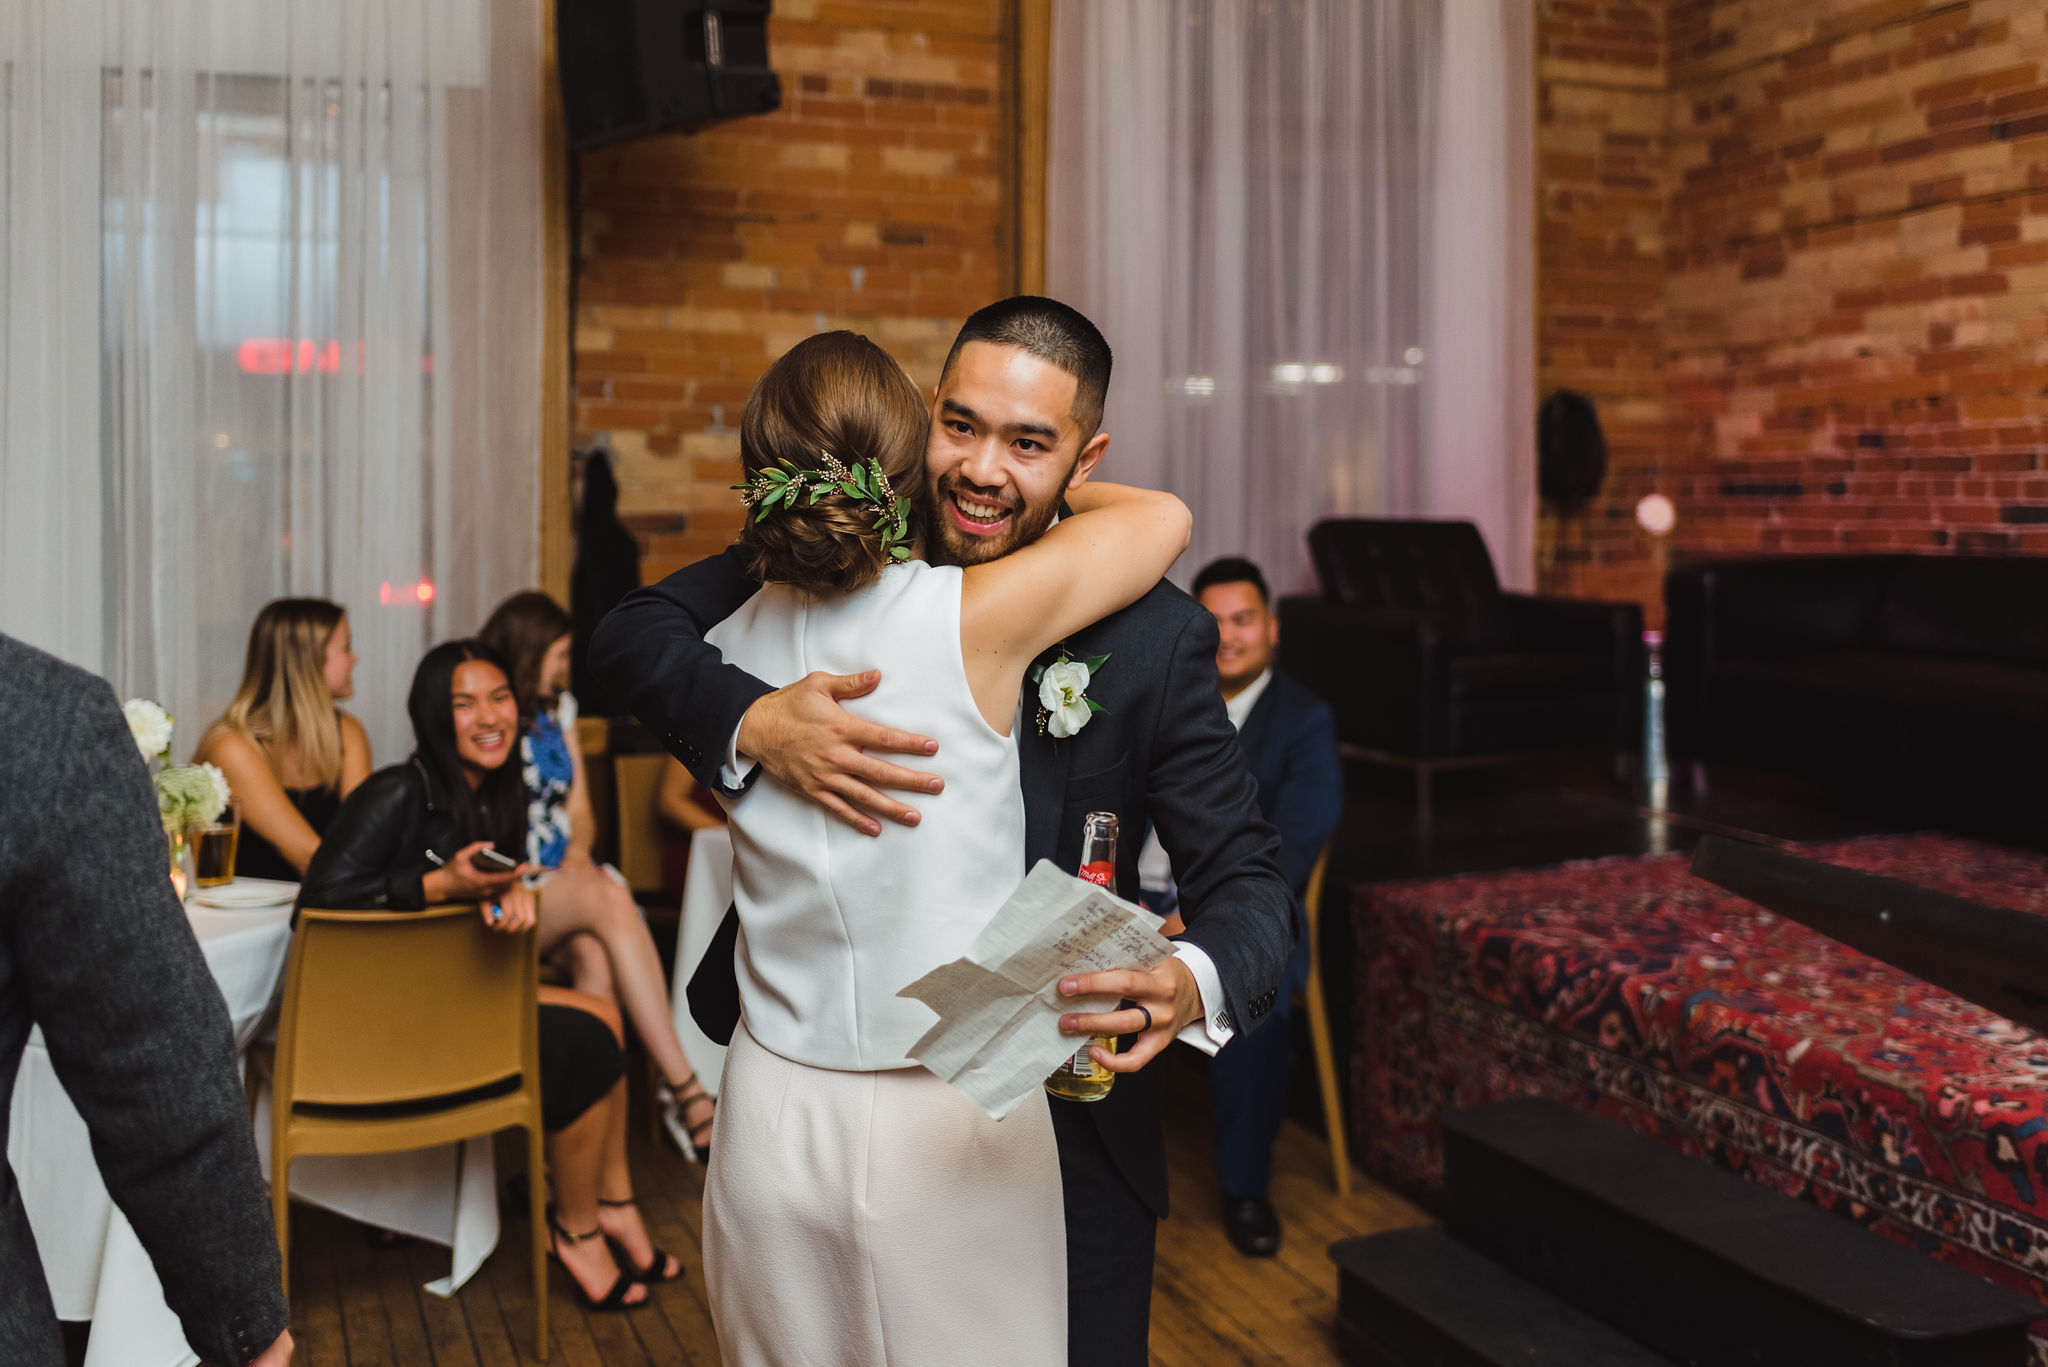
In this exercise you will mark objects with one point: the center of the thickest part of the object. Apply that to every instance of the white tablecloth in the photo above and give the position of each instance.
(707, 893)
(96, 1267)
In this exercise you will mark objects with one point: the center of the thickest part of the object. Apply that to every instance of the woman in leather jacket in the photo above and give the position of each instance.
(408, 838)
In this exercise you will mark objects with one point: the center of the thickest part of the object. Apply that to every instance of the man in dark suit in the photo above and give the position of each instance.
(1014, 424)
(1290, 743)
(95, 949)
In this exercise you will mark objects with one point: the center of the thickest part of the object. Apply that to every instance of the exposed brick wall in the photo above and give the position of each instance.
(1846, 345)
(1796, 251)
(873, 200)
(1600, 273)
(1856, 307)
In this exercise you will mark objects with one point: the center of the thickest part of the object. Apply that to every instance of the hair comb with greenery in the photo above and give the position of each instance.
(782, 487)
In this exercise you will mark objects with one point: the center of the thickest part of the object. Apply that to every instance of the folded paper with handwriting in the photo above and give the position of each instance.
(998, 1034)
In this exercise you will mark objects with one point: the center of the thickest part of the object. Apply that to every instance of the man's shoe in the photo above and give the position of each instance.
(1251, 1225)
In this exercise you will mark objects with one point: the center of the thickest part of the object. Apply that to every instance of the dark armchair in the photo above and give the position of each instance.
(1428, 664)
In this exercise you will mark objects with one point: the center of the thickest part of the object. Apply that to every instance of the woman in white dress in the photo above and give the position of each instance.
(857, 1209)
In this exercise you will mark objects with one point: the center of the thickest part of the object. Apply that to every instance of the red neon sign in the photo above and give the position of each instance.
(278, 356)
(282, 356)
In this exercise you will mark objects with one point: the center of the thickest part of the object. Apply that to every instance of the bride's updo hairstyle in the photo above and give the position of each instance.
(839, 396)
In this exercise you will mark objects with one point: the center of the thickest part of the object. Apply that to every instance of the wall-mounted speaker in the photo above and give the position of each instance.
(634, 67)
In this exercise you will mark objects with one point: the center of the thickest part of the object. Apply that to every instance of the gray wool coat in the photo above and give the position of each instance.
(95, 949)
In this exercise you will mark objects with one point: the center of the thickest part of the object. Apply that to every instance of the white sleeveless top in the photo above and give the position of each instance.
(833, 923)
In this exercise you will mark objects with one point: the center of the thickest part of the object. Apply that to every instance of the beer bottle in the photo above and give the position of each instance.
(1080, 1077)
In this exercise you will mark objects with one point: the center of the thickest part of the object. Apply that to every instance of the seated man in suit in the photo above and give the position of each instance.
(1290, 745)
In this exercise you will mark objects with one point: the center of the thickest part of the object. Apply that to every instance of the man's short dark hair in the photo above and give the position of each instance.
(1053, 332)
(1232, 569)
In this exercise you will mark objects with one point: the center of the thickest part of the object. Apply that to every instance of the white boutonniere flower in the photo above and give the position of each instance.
(1064, 706)
(150, 725)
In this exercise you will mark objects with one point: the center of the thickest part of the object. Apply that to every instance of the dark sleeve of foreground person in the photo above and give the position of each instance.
(372, 855)
(650, 651)
(106, 964)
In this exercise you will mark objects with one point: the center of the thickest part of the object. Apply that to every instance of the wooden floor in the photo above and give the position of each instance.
(1210, 1304)
(358, 1306)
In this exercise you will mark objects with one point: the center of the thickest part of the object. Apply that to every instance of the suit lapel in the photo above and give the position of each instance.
(1042, 772)
(1251, 737)
(1041, 768)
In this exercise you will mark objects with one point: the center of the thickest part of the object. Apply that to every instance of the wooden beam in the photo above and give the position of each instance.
(557, 541)
(1030, 63)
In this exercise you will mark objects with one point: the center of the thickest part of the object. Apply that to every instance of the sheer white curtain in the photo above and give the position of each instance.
(271, 325)
(1305, 227)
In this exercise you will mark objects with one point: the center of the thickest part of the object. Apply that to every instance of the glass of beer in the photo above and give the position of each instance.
(213, 848)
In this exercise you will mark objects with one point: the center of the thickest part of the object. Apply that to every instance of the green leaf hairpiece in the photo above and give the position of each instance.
(782, 484)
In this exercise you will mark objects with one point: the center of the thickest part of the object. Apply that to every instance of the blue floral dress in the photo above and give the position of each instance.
(549, 773)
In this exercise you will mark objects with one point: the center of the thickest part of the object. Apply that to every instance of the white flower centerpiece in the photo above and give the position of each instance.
(187, 795)
(151, 727)
(191, 795)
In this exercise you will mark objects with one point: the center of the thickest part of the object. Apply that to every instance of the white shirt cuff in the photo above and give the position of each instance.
(735, 770)
(1213, 1030)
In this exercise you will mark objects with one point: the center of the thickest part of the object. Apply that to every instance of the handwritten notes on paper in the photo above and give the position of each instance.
(998, 1034)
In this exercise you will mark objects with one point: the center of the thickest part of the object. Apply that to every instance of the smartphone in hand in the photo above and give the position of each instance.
(488, 861)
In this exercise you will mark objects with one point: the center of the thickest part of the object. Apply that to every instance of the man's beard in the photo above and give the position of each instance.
(951, 546)
(1240, 681)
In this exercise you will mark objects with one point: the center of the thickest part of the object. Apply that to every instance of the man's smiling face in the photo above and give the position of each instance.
(1005, 446)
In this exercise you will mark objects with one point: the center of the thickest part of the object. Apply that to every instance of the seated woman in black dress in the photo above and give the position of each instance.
(406, 839)
(289, 754)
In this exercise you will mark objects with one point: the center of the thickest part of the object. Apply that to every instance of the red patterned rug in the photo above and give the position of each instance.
(1629, 988)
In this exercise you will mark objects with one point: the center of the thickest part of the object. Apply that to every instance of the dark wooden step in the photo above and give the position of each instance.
(1701, 1265)
(1419, 1298)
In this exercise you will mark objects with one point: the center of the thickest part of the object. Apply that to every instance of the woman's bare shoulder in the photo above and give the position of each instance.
(223, 743)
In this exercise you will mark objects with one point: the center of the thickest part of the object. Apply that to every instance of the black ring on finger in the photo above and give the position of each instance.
(1148, 1018)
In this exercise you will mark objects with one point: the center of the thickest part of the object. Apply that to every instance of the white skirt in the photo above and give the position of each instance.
(879, 1218)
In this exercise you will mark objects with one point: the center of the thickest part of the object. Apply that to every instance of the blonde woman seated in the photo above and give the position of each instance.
(289, 754)
(589, 922)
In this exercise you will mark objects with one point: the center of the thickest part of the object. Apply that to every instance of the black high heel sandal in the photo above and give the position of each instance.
(614, 1301)
(671, 1101)
(648, 1275)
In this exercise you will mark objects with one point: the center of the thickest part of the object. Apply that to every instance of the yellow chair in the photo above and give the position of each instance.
(1319, 1028)
(636, 779)
(420, 1009)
